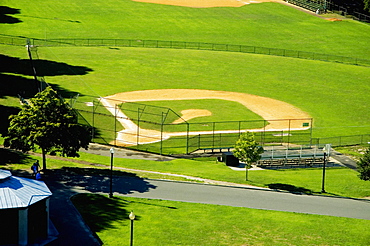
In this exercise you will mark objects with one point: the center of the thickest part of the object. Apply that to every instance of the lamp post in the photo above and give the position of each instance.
(111, 172)
(326, 150)
(323, 175)
(132, 218)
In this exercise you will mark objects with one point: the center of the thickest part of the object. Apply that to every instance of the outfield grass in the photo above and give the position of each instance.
(335, 95)
(161, 222)
(266, 24)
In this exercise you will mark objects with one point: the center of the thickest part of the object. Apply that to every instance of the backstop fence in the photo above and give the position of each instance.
(161, 130)
(8, 40)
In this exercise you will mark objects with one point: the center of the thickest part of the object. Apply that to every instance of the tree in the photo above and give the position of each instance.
(247, 150)
(363, 166)
(367, 5)
(47, 122)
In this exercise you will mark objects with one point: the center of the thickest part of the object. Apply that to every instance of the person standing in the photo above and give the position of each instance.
(35, 168)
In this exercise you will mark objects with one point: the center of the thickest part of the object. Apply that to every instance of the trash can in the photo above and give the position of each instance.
(230, 159)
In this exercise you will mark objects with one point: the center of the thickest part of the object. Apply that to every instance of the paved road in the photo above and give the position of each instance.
(73, 231)
(256, 198)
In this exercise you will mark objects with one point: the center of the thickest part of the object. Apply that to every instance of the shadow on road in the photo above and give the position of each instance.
(98, 180)
(290, 188)
(99, 211)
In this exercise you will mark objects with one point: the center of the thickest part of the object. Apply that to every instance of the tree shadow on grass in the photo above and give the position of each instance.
(14, 86)
(5, 11)
(99, 211)
(5, 112)
(290, 188)
(43, 67)
(8, 156)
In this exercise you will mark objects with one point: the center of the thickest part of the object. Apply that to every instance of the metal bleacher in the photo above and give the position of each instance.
(281, 156)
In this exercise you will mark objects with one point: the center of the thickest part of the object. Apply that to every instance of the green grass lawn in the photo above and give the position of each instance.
(267, 24)
(221, 111)
(161, 222)
(335, 95)
(339, 181)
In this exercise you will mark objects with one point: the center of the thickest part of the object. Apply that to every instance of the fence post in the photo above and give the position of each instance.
(288, 133)
(93, 120)
(187, 138)
(161, 146)
(213, 135)
(311, 129)
(138, 129)
(115, 124)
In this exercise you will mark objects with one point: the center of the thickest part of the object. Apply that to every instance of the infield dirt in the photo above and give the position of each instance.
(205, 3)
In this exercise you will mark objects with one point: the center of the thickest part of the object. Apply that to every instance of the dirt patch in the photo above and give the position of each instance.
(204, 3)
(270, 109)
(334, 19)
(189, 114)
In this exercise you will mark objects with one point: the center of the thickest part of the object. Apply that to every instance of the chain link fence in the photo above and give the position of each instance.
(162, 130)
(185, 45)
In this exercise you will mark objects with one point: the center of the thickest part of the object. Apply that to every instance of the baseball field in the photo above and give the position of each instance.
(199, 85)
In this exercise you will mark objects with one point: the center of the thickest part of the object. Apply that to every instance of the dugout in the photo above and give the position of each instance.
(230, 159)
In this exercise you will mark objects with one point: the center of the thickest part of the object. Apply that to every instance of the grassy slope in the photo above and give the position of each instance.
(343, 182)
(335, 95)
(339, 181)
(266, 24)
(174, 223)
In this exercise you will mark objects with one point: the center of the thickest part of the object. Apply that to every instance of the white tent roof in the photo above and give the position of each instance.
(17, 192)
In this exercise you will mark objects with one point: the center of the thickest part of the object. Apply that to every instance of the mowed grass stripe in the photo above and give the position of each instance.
(266, 24)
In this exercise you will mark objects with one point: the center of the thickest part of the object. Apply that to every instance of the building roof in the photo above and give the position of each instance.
(17, 192)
